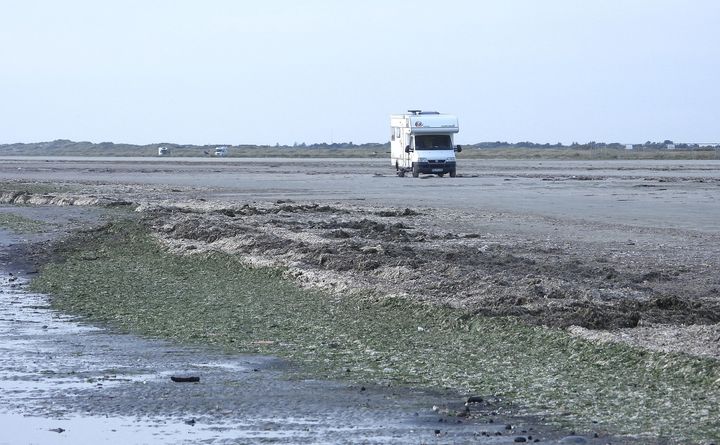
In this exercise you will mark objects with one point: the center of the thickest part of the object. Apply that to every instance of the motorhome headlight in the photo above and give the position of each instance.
(422, 160)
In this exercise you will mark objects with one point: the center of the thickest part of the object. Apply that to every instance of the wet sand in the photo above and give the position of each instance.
(657, 221)
(659, 194)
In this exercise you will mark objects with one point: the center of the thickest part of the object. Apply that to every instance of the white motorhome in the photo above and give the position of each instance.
(422, 142)
(221, 151)
(163, 151)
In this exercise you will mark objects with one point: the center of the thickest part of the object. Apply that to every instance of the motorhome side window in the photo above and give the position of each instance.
(433, 142)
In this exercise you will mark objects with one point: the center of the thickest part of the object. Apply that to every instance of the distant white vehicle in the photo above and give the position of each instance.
(422, 142)
(163, 151)
(221, 151)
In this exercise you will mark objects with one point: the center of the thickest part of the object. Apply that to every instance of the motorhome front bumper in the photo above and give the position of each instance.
(439, 166)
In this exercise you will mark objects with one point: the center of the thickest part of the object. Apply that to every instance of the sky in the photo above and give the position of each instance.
(288, 71)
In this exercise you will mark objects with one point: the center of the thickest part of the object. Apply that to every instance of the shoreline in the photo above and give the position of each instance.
(499, 242)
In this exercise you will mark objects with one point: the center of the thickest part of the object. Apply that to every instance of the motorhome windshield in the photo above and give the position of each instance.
(433, 142)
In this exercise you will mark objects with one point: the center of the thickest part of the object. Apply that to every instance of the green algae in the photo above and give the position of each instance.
(121, 276)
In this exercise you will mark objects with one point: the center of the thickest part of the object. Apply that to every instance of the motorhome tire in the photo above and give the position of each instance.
(440, 175)
(415, 169)
(452, 173)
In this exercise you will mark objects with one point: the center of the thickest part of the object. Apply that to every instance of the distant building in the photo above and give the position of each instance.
(670, 146)
(628, 146)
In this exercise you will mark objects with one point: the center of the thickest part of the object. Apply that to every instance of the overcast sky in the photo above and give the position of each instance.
(285, 71)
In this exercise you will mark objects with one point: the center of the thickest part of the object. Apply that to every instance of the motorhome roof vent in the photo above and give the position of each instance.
(416, 112)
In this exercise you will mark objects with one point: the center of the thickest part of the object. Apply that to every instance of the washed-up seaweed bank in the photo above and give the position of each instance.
(121, 274)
